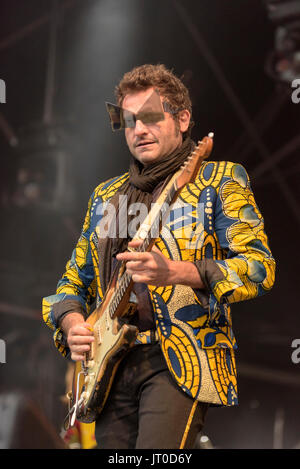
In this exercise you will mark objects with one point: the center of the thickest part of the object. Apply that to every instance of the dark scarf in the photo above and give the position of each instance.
(139, 187)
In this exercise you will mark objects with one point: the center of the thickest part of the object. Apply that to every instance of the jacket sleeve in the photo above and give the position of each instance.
(76, 290)
(247, 269)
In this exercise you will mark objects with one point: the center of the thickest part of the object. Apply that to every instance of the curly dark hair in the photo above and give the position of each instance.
(158, 76)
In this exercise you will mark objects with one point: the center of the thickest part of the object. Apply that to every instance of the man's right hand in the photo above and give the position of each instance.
(79, 335)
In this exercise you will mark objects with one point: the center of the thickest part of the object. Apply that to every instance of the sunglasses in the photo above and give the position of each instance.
(151, 112)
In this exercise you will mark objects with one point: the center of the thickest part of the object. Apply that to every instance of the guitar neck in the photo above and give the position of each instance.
(148, 232)
(150, 229)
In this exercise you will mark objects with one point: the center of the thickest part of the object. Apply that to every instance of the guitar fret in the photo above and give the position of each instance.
(117, 298)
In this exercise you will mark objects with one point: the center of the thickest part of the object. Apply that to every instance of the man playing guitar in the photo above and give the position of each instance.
(212, 251)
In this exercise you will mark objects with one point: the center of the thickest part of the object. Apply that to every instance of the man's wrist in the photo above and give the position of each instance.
(69, 320)
(185, 273)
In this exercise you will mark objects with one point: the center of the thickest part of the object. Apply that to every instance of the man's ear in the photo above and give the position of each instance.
(184, 120)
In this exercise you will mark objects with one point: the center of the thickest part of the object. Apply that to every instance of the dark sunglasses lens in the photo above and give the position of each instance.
(150, 117)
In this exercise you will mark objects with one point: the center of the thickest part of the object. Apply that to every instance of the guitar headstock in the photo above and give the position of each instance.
(191, 166)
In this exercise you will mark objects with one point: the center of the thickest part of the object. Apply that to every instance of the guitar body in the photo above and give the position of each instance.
(94, 376)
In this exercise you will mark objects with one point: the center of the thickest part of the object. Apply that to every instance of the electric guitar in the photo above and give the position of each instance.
(113, 334)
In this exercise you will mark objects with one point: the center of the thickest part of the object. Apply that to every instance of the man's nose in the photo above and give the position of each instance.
(140, 128)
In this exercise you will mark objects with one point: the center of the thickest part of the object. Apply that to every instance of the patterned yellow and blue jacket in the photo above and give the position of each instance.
(224, 235)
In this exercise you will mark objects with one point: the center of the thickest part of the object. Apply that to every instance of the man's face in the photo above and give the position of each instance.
(151, 142)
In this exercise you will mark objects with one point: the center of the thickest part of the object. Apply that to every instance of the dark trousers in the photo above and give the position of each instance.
(146, 409)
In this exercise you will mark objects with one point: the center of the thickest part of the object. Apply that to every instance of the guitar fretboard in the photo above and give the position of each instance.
(158, 220)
